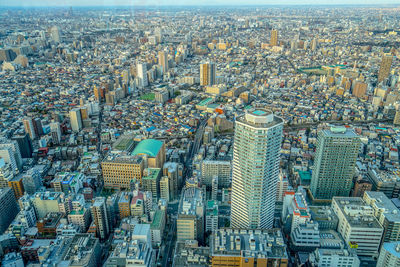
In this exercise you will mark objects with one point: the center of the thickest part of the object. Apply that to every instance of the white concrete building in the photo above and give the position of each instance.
(256, 155)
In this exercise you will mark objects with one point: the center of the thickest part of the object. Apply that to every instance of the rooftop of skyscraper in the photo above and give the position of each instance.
(259, 118)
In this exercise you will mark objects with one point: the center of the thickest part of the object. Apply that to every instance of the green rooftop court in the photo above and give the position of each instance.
(148, 97)
(149, 147)
(205, 102)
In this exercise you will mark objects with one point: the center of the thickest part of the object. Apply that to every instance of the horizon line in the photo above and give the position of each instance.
(201, 5)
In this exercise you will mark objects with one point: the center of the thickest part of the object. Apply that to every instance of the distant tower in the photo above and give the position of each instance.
(55, 34)
(207, 74)
(334, 163)
(256, 156)
(141, 70)
(386, 64)
(274, 38)
(76, 119)
(163, 60)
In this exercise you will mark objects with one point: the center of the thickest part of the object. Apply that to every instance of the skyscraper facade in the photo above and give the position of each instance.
(142, 75)
(76, 119)
(334, 162)
(256, 157)
(29, 128)
(100, 217)
(163, 61)
(384, 69)
(274, 38)
(207, 74)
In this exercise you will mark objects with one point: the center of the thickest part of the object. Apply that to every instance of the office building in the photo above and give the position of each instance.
(211, 216)
(45, 202)
(157, 227)
(171, 170)
(100, 217)
(244, 247)
(189, 253)
(387, 182)
(47, 226)
(257, 144)
(219, 168)
(386, 213)
(124, 205)
(24, 144)
(274, 38)
(151, 181)
(80, 218)
(305, 237)
(384, 69)
(190, 221)
(207, 74)
(8, 208)
(10, 152)
(55, 132)
(6, 173)
(325, 217)
(389, 255)
(164, 188)
(121, 170)
(75, 119)
(358, 225)
(334, 163)
(141, 70)
(163, 61)
(295, 210)
(32, 180)
(334, 257)
(84, 251)
(29, 129)
(68, 182)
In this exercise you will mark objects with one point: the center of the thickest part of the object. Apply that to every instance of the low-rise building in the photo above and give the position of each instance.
(241, 247)
(358, 225)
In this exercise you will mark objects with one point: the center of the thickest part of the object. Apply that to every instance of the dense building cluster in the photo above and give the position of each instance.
(231, 136)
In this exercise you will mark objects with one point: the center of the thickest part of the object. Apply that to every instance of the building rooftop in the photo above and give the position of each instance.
(382, 203)
(191, 197)
(81, 249)
(357, 212)
(339, 132)
(248, 243)
(393, 248)
(188, 253)
(149, 147)
(157, 219)
(151, 173)
(259, 118)
(122, 158)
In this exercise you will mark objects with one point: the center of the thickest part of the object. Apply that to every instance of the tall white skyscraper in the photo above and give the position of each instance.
(142, 74)
(256, 156)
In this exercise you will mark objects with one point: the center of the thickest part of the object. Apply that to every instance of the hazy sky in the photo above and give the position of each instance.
(186, 2)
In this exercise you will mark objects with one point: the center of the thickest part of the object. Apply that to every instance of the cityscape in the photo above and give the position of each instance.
(199, 135)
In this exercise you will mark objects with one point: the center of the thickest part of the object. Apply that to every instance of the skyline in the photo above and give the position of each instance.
(109, 3)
